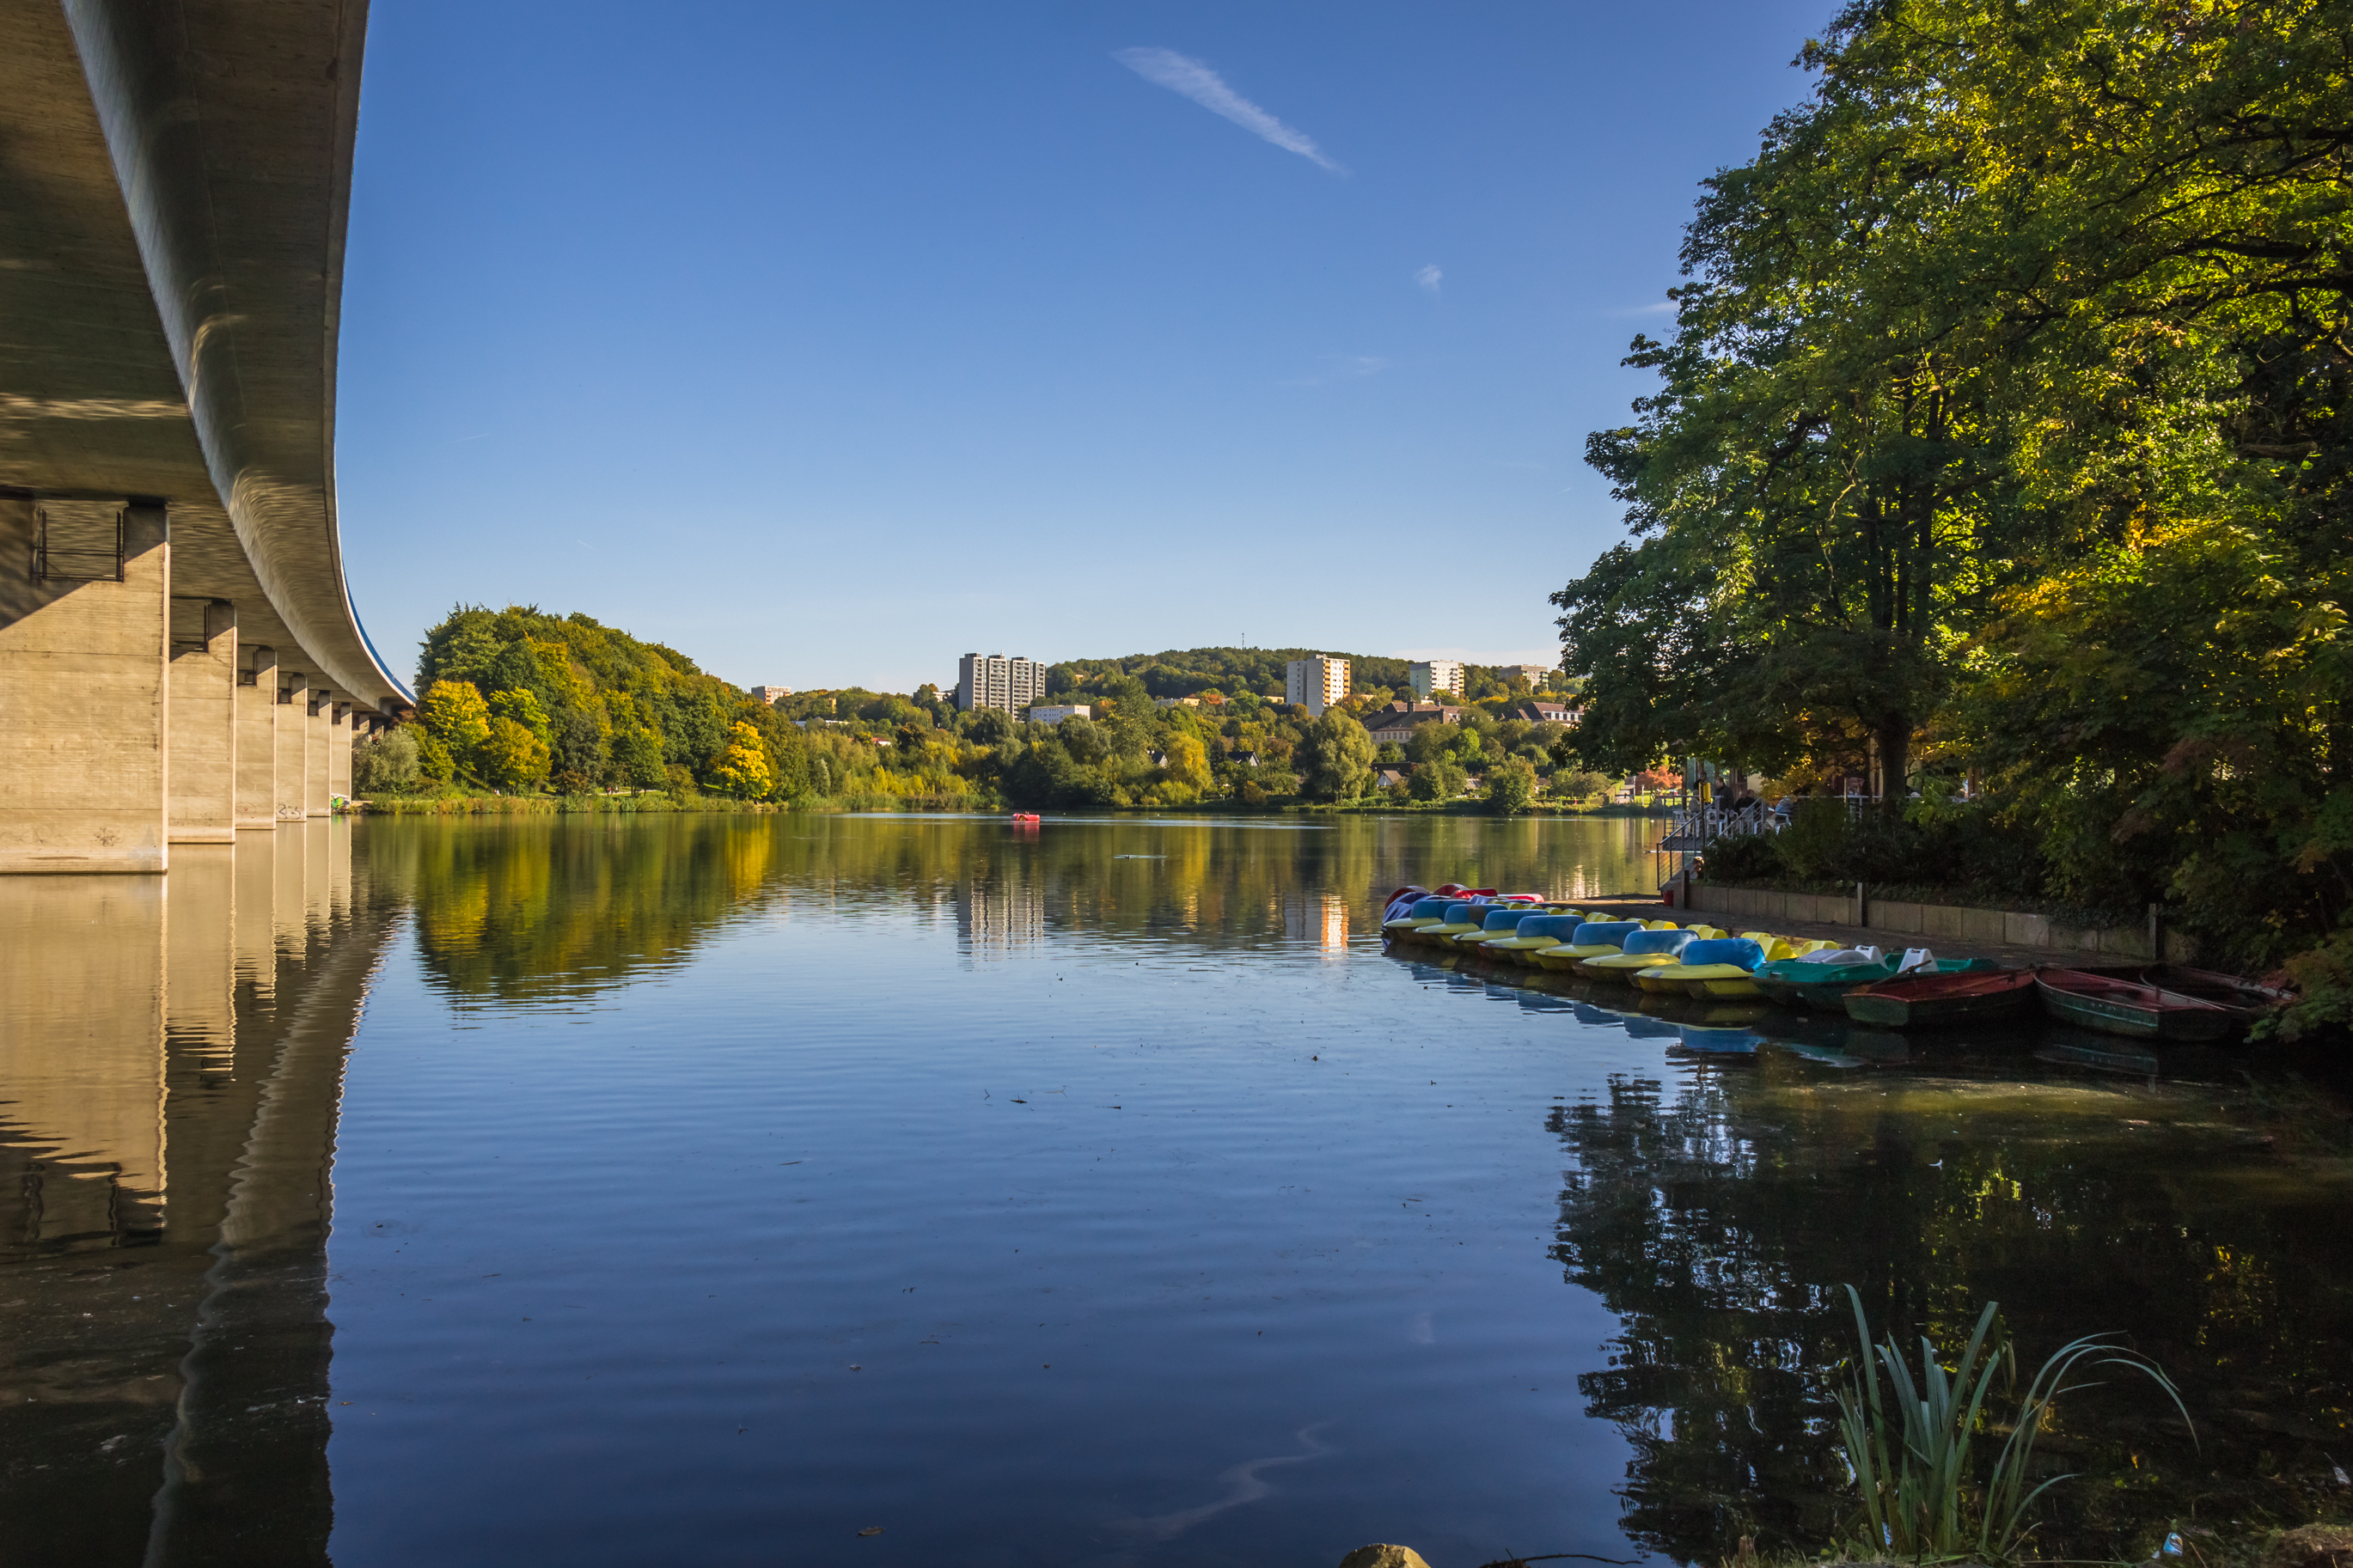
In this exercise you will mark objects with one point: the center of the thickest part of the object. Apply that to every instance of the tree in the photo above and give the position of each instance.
(1510, 787)
(385, 764)
(743, 769)
(580, 753)
(521, 704)
(1435, 781)
(454, 714)
(1335, 757)
(638, 758)
(1188, 764)
(511, 757)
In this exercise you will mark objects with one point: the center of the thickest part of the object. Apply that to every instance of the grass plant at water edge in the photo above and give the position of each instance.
(1908, 1441)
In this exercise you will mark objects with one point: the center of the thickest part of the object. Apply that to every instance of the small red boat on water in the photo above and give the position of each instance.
(1026, 819)
(1927, 1001)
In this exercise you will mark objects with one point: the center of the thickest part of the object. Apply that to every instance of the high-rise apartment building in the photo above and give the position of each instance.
(992, 680)
(1434, 676)
(1316, 683)
(1536, 675)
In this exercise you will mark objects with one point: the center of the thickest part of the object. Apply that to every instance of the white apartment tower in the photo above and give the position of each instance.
(1428, 679)
(1316, 683)
(992, 680)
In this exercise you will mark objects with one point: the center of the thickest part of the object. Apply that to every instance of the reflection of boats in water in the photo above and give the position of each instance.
(2104, 1057)
(1717, 1041)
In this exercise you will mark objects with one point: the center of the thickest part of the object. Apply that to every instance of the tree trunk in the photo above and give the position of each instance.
(1895, 737)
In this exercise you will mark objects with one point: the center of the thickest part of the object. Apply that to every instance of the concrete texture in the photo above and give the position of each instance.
(293, 743)
(339, 752)
(314, 755)
(173, 208)
(83, 746)
(257, 739)
(203, 723)
(1954, 930)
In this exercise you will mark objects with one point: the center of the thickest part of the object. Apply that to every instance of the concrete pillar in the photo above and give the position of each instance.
(256, 738)
(204, 722)
(314, 752)
(84, 743)
(339, 752)
(293, 743)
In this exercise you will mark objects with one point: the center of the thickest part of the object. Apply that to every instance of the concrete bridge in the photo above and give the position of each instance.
(179, 656)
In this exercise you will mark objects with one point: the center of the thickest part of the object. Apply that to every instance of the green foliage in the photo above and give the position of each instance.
(386, 764)
(1435, 781)
(2323, 980)
(1510, 787)
(1335, 757)
(609, 710)
(511, 757)
(455, 715)
(2006, 424)
(1580, 785)
(1908, 1447)
(433, 759)
(522, 705)
(743, 768)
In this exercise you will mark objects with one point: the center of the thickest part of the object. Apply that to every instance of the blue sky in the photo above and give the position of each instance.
(829, 342)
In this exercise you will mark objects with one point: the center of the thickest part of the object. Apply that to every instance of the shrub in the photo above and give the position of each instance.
(1749, 857)
(1435, 781)
(1814, 845)
(386, 765)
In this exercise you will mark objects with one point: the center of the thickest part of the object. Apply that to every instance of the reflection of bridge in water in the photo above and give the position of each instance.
(170, 1062)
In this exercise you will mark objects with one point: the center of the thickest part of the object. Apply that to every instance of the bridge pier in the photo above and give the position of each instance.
(339, 752)
(83, 690)
(293, 743)
(257, 739)
(314, 755)
(203, 723)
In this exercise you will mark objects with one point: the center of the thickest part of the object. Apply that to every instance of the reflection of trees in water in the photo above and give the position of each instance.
(1718, 1220)
(536, 905)
(530, 907)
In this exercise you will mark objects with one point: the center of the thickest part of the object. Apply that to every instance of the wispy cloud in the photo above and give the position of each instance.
(1342, 367)
(1190, 78)
(1660, 309)
(1430, 277)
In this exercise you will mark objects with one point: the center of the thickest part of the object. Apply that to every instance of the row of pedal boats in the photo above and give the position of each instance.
(1901, 990)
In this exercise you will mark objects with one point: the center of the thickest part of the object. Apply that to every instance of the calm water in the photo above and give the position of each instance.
(709, 1190)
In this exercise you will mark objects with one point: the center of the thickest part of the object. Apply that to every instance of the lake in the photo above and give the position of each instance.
(901, 1190)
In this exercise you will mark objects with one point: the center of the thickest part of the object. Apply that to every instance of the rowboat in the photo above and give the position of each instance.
(1795, 983)
(2232, 992)
(1931, 1001)
(2114, 1006)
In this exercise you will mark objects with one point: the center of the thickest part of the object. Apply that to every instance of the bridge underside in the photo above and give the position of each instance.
(179, 658)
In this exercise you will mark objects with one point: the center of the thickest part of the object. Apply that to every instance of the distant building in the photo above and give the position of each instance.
(771, 695)
(1536, 675)
(1055, 715)
(1176, 702)
(992, 680)
(1316, 683)
(1433, 676)
(1395, 725)
(1541, 712)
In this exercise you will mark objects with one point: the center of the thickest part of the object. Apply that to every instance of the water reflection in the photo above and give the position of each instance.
(171, 1056)
(1236, 1153)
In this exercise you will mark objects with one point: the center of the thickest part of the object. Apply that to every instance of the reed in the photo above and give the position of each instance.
(1910, 1441)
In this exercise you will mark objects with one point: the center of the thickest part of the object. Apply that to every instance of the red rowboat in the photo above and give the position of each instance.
(1927, 1001)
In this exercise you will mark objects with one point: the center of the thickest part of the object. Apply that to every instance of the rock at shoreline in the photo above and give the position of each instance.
(1407, 1557)
(2313, 1546)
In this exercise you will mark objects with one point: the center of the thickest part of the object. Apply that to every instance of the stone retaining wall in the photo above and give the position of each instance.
(1947, 921)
